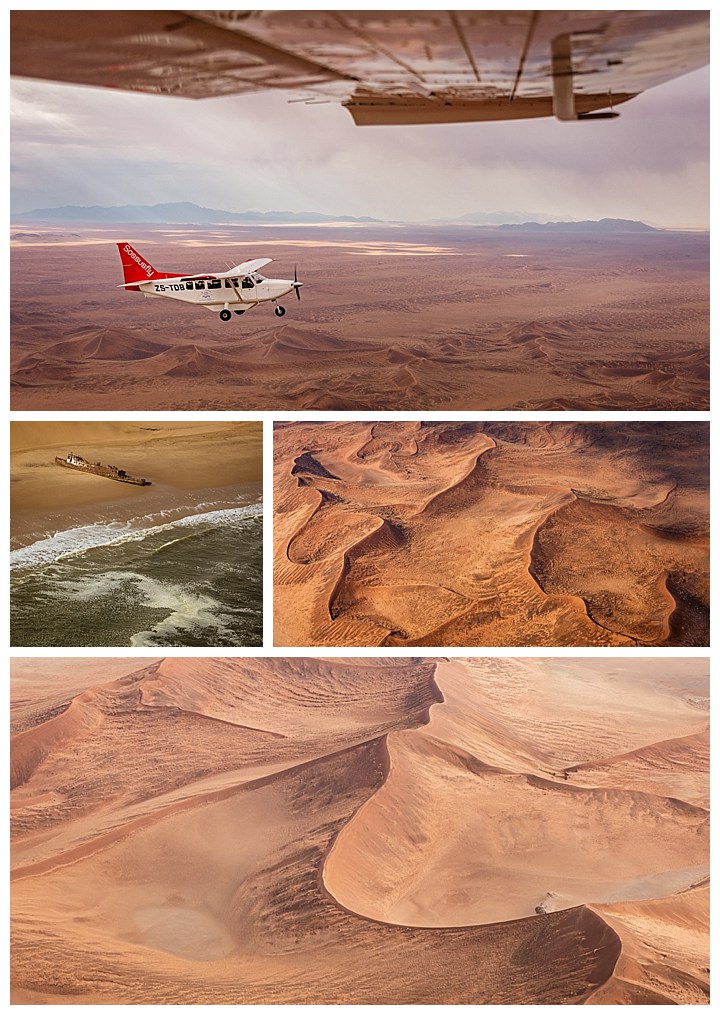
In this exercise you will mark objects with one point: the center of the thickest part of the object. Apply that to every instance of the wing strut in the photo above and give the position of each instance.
(563, 88)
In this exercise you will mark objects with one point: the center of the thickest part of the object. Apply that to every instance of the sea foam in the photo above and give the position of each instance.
(69, 542)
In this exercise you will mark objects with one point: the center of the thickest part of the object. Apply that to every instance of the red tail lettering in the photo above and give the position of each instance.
(136, 268)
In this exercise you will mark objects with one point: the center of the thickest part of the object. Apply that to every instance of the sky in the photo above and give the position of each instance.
(84, 146)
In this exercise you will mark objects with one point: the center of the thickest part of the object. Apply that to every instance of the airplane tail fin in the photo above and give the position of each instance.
(135, 267)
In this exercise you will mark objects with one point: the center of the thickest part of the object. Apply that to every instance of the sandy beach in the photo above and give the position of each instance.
(175, 457)
(360, 831)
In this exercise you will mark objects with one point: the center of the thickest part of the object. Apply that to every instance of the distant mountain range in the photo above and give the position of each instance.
(177, 212)
(187, 213)
(496, 218)
(588, 226)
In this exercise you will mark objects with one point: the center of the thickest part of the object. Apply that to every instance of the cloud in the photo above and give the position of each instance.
(74, 145)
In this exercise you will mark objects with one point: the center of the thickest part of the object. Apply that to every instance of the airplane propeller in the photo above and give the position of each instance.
(297, 285)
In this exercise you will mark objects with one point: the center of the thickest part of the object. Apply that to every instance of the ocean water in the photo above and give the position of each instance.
(194, 580)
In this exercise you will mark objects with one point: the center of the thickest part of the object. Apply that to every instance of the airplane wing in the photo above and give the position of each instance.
(248, 267)
(385, 67)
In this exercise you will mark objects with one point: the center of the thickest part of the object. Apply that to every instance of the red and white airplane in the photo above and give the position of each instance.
(235, 291)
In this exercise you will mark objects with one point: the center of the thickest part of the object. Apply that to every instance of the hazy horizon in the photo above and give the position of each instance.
(168, 214)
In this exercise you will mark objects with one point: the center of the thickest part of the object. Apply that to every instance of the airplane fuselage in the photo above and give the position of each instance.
(236, 290)
(233, 293)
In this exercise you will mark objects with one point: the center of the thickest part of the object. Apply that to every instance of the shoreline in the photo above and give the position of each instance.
(187, 464)
(165, 512)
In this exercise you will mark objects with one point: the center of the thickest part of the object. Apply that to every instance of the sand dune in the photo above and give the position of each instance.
(462, 327)
(491, 534)
(104, 344)
(362, 831)
(563, 561)
(669, 767)
(464, 778)
(186, 361)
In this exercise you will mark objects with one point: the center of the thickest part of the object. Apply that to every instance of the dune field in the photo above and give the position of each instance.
(491, 533)
(406, 831)
(391, 317)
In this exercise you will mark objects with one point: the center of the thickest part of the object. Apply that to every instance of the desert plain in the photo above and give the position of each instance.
(391, 318)
(360, 831)
(491, 533)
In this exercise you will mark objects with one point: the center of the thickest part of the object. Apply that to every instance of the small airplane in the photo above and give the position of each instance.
(235, 291)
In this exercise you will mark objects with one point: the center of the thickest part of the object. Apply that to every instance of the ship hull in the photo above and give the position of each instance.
(104, 471)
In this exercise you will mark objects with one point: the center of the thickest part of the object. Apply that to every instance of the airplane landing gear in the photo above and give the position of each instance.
(225, 315)
(279, 311)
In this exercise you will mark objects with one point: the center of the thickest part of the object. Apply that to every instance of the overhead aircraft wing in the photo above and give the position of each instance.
(248, 267)
(385, 67)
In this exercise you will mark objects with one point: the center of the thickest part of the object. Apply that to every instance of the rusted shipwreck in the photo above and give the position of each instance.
(77, 462)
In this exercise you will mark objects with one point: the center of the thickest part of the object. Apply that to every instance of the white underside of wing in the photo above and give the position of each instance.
(384, 66)
(247, 267)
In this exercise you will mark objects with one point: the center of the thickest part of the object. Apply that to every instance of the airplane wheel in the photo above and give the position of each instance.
(280, 311)
(238, 312)
(225, 315)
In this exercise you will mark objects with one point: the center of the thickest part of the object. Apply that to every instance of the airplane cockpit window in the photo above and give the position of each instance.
(247, 282)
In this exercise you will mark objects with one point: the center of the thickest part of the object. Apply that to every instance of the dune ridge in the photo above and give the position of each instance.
(662, 959)
(491, 534)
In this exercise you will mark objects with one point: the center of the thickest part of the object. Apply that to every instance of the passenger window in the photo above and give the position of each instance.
(188, 285)
(199, 285)
(227, 284)
(235, 282)
(214, 284)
